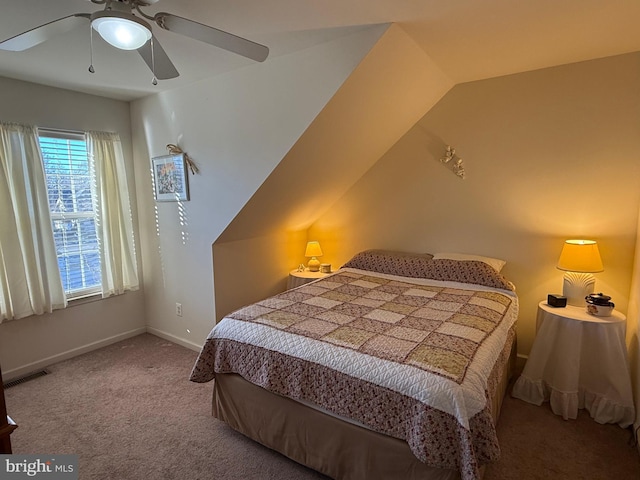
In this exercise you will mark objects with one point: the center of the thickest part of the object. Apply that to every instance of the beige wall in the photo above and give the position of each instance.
(254, 268)
(33, 342)
(237, 127)
(549, 155)
(394, 85)
(633, 323)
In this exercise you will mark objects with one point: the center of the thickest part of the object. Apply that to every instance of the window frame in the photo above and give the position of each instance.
(83, 292)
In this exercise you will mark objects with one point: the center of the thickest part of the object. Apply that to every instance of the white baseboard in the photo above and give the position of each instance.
(74, 352)
(174, 339)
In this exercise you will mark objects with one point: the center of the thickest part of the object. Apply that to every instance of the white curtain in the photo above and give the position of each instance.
(30, 280)
(114, 223)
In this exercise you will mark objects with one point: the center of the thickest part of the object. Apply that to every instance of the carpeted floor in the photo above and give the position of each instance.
(130, 412)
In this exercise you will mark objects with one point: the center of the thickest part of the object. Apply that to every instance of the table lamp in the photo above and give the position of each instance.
(579, 259)
(313, 251)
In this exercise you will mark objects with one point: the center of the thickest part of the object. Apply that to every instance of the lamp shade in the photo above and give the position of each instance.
(580, 256)
(122, 30)
(313, 249)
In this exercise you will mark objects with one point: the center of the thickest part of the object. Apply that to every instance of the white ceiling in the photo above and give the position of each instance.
(468, 39)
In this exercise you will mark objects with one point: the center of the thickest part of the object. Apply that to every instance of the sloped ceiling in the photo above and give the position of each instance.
(391, 89)
(467, 39)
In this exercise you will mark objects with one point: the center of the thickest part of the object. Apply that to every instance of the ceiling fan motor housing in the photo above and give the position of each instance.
(132, 3)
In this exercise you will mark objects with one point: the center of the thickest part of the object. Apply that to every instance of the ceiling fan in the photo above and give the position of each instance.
(119, 25)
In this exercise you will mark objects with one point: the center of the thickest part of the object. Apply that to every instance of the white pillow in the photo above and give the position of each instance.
(496, 263)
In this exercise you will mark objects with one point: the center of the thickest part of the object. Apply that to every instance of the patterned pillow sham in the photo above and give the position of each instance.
(468, 271)
(496, 263)
(391, 262)
(424, 266)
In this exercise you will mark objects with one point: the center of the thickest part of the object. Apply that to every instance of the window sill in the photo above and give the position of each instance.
(89, 298)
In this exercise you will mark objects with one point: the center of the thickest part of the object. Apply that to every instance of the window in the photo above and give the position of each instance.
(73, 214)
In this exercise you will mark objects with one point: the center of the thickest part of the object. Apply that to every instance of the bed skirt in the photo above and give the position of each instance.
(334, 447)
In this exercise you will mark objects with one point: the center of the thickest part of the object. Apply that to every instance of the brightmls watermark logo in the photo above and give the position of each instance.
(46, 467)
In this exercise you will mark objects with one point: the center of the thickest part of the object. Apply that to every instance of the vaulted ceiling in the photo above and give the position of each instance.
(467, 39)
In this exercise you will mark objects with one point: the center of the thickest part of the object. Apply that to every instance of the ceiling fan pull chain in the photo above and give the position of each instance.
(153, 64)
(91, 69)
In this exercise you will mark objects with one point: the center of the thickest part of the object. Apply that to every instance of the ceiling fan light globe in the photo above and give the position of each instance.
(123, 31)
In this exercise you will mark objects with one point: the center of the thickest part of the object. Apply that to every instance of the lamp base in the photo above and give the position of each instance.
(313, 265)
(576, 286)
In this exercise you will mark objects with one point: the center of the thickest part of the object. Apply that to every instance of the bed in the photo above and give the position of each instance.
(394, 366)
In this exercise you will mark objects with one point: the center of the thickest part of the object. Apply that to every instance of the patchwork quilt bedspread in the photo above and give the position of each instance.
(407, 357)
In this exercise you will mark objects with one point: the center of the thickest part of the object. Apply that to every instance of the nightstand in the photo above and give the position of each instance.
(297, 278)
(579, 361)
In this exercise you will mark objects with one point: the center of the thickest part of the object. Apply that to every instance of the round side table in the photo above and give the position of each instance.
(579, 360)
(297, 278)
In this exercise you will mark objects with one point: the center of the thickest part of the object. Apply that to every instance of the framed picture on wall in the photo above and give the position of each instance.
(170, 179)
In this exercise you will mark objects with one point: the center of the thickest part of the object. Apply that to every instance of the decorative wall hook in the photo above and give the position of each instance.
(448, 154)
(456, 162)
(175, 150)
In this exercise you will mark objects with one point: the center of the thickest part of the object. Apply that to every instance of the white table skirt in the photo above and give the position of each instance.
(579, 361)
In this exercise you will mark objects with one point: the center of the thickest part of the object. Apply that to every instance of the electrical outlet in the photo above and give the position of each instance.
(179, 309)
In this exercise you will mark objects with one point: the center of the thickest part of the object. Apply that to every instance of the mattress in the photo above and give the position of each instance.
(407, 358)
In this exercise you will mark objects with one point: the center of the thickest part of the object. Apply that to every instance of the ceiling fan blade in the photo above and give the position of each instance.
(37, 35)
(211, 35)
(164, 68)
